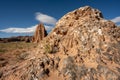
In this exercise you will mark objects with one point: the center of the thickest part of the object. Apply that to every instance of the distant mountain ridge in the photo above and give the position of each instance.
(16, 39)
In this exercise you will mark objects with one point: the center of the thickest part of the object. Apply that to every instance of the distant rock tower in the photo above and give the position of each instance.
(39, 34)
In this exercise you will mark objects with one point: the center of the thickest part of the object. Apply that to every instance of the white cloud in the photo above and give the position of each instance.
(116, 19)
(24, 30)
(19, 30)
(46, 19)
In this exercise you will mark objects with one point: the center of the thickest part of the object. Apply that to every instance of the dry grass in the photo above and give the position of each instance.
(11, 46)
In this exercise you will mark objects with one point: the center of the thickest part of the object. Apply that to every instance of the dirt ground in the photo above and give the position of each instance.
(14, 52)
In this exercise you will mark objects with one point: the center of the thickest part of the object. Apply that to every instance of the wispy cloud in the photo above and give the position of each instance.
(24, 30)
(116, 19)
(46, 19)
(19, 30)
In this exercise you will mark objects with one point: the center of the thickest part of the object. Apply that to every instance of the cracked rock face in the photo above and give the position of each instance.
(82, 46)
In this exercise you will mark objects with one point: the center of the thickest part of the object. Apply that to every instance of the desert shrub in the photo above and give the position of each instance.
(22, 56)
(2, 50)
(81, 71)
(69, 68)
(109, 74)
(74, 71)
(48, 48)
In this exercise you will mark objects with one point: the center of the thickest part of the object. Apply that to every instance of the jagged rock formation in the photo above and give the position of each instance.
(39, 34)
(82, 46)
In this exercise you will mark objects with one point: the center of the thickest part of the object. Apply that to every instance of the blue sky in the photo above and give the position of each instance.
(20, 17)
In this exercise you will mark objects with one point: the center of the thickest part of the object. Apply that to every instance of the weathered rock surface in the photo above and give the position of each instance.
(39, 34)
(82, 46)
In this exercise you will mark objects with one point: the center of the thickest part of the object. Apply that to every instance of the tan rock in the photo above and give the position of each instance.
(39, 34)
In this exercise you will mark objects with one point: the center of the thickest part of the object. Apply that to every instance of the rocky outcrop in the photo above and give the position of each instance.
(39, 34)
(91, 42)
(82, 46)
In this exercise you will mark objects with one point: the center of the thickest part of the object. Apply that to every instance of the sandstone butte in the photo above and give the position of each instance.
(39, 34)
(82, 46)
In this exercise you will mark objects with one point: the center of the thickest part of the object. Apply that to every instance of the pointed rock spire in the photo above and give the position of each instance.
(39, 34)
